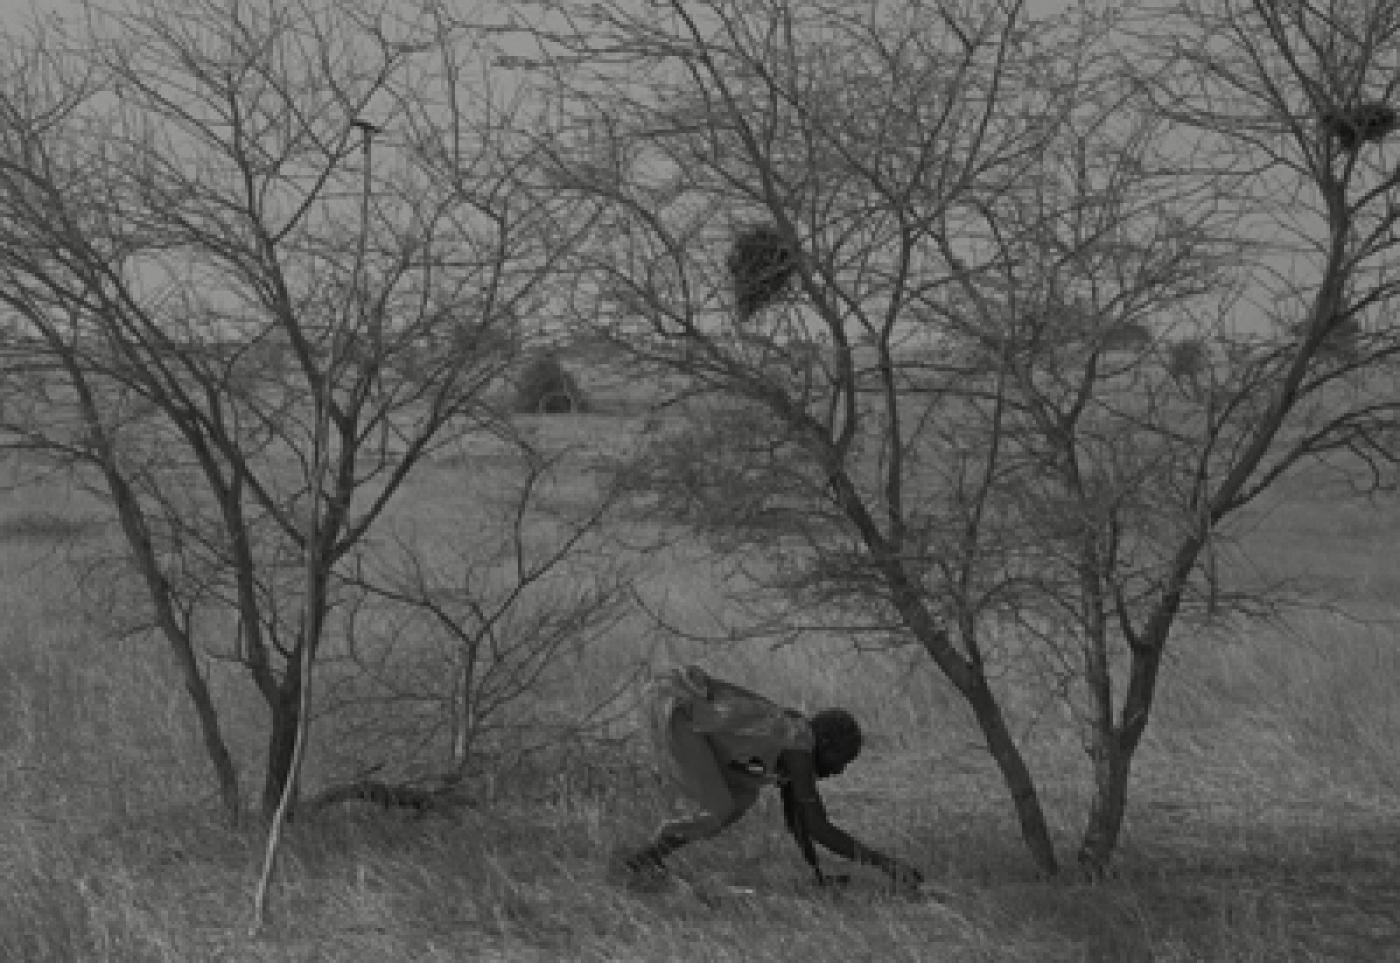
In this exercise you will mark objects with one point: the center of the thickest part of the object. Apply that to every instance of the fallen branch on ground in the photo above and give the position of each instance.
(390, 795)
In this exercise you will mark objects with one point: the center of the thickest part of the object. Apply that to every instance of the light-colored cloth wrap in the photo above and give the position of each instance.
(717, 744)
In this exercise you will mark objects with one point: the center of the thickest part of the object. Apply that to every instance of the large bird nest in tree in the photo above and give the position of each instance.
(1353, 126)
(761, 265)
(545, 387)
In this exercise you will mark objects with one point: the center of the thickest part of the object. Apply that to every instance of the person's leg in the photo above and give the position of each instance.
(694, 773)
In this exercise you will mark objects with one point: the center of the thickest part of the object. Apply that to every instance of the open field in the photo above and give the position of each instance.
(1264, 822)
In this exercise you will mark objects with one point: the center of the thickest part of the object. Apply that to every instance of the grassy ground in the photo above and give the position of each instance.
(1262, 823)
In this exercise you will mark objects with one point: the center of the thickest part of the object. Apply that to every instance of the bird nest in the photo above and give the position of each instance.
(1353, 126)
(761, 265)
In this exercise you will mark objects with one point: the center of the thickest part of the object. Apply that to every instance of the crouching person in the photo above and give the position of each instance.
(718, 745)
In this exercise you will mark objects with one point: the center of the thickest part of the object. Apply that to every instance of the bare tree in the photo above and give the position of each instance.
(970, 203)
(865, 140)
(199, 241)
(1248, 88)
(455, 657)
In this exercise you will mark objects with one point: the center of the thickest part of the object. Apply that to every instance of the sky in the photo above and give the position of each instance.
(13, 13)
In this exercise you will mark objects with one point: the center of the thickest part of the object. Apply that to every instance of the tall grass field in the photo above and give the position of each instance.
(1263, 824)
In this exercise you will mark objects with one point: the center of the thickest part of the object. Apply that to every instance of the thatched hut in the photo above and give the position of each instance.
(545, 387)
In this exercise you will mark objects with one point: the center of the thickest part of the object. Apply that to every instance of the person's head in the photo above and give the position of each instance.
(837, 741)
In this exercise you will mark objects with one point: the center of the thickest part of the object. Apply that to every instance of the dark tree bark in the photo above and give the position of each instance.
(1016, 775)
(143, 554)
(966, 675)
(281, 741)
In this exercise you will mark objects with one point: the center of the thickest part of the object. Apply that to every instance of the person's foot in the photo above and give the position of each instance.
(638, 870)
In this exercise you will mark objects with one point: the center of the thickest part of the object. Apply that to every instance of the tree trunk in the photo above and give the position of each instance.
(214, 746)
(972, 684)
(1115, 746)
(176, 631)
(1112, 763)
(1018, 779)
(1105, 821)
(965, 676)
(282, 739)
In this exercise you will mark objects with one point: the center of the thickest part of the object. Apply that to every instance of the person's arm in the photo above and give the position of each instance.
(797, 825)
(806, 818)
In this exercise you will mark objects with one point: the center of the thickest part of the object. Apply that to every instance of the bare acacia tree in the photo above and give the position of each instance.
(862, 138)
(201, 245)
(929, 426)
(1249, 89)
(455, 656)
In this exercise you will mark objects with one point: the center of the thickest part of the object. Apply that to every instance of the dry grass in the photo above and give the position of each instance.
(1261, 824)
